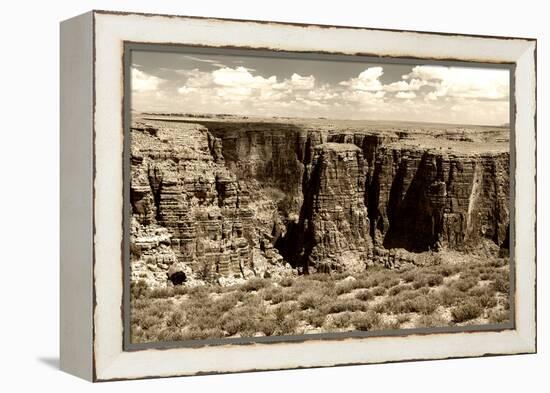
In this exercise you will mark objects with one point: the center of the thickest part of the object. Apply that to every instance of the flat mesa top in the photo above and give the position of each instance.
(338, 147)
(448, 138)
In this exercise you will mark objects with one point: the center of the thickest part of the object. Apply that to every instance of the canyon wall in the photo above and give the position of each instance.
(236, 199)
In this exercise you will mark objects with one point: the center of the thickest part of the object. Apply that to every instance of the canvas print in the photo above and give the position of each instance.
(275, 196)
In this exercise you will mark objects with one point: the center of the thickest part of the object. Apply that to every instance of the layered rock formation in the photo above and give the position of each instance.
(336, 218)
(180, 184)
(432, 199)
(246, 198)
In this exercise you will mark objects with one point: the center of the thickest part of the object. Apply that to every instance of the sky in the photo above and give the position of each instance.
(275, 86)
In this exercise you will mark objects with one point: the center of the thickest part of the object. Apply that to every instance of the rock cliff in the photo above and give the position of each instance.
(426, 199)
(228, 199)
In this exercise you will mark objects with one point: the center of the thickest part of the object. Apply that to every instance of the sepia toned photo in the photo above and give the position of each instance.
(285, 195)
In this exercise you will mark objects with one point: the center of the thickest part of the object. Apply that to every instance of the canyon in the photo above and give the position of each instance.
(224, 199)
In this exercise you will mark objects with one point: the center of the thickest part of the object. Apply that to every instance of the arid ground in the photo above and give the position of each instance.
(472, 291)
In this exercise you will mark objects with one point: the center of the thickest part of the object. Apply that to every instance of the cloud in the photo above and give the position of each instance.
(237, 83)
(323, 93)
(144, 82)
(431, 96)
(299, 82)
(367, 80)
(196, 78)
(403, 85)
(364, 97)
(463, 82)
(241, 77)
(406, 95)
(187, 90)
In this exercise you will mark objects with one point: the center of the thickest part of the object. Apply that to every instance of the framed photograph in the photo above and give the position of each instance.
(246, 195)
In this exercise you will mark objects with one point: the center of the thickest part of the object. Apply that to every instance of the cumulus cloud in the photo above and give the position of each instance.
(406, 95)
(431, 96)
(241, 77)
(362, 97)
(298, 82)
(323, 93)
(187, 90)
(144, 82)
(403, 85)
(239, 83)
(462, 82)
(367, 80)
(197, 78)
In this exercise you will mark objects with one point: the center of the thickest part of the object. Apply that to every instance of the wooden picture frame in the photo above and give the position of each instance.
(94, 195)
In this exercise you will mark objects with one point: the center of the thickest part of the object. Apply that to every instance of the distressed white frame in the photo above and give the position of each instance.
(111, 30)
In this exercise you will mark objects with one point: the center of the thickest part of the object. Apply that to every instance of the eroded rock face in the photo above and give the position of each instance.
(185, 187)
(333, 230)
(430, 199)
(242, 199)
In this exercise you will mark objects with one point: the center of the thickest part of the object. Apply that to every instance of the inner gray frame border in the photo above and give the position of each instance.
(129, 47)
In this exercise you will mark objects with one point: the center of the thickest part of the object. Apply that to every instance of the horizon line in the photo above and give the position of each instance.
(507, 124)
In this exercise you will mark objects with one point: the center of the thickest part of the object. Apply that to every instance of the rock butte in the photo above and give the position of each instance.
(235, 198)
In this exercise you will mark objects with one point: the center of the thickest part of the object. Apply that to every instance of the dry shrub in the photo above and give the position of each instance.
(427, 280)
(161, 293)
(200, 291)
(346, 286)
(399, 288)
(467, 311)
(341, 305)
(148, 322)
(255, 284)
(446, 270)
(391, 282)
(195, 333)
(410, 276)
(450, 296)
(487, 275)
(499, 316)
(314, 318)
(485, 296)
(410, 302)
(379, 278)
(272, 292)
(138, 289)
(402, 318)
(322, 277)
(501, 284)
(292, 293)
(236, 322)
(369, 320)
(499, 262)
(364, 295)
(433, 320)
(311, 300)
(268, 326)
(225, 303)
(464, 285)
(342, 320)
(177, 319)
(378, 291)
(469, 275)
(286, 281)
(282, 310)
(289, 325)
(277, 297)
